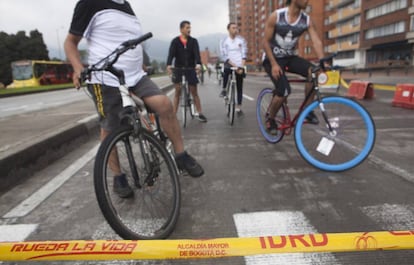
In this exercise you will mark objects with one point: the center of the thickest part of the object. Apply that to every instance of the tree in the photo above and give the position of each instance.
(20, 47)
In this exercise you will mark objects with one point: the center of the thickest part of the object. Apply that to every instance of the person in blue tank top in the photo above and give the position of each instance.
(282, 32)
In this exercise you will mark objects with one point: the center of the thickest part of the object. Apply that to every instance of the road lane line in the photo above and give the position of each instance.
(248, 97)
(279, 223)
(391, 217)
(19, 232)
(28, 205)
(89, 118)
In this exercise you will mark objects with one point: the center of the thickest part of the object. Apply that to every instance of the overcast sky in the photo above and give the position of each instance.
(161, 17)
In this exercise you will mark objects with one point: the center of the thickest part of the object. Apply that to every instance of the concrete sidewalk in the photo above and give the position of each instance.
(33, 140)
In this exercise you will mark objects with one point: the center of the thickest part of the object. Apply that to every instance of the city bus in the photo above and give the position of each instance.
(32, 73)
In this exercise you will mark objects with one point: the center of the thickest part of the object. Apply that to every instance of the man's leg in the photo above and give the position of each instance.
(161, 104)
(177, 97)
(226, 73)
(239, 85)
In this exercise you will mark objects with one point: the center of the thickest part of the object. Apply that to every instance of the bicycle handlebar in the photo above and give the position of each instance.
(108, 62)
(326, 59)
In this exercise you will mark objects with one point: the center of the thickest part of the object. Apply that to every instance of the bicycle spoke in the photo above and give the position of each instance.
(262, 111)
(348, 144)
(153, 210)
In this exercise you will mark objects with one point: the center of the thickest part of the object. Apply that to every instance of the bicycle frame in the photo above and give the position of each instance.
(289, 123)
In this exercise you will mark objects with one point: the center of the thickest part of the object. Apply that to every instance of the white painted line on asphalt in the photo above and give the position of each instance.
(44, 192)
(11, 233)
(248, 97)
(89, 118)
(170, 93)
(279, 223)
(391, 217)
(391, 168)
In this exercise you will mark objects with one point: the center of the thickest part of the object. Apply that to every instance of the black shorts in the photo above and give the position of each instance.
(293, 64)
(190, 76)
(108, 101)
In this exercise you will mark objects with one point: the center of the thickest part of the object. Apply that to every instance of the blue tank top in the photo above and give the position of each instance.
(286, 35)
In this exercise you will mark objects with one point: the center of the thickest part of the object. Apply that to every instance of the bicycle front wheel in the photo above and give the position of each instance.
(153, 210)
(262, 112)
(347, 145)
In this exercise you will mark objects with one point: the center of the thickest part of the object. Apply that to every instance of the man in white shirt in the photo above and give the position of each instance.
(233, 51)
(105, 24)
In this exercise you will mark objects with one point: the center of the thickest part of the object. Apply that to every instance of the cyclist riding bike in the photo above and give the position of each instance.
(233, 51)
(105, 24)
(282, 31)
(185, 50)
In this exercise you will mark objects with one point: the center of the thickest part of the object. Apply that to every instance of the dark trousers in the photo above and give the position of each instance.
(239, 83)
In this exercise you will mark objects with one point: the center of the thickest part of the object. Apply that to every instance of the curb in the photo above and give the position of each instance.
(16, 167)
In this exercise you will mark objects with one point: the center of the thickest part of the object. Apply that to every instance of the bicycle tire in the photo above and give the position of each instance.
(184, 105)
(153, 211)
(232, 103)
(262, 105)
(350, 145)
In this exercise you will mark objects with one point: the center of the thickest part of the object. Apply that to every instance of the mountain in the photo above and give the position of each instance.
(158, 49)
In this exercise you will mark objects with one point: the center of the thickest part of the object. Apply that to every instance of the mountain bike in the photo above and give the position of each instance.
(138, 149)
(230, 98)
(344, 137)
(186, 99)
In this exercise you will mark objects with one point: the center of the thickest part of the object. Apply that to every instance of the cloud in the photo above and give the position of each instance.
(162, 17)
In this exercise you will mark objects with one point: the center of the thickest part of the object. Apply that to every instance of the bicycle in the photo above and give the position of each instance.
(344, 137)
(186, 99)
(230, 98)
(139, 149)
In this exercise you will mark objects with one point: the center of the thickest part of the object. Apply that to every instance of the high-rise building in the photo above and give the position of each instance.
(365, 33)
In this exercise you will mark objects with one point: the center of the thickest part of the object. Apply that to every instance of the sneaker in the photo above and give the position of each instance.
(189, 164)
(201, 117)
(121, 186)
(223, 93)
(311, 118)
(239, 111)
(271, 126)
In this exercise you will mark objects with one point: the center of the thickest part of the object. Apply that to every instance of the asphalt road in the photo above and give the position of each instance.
(251, 188)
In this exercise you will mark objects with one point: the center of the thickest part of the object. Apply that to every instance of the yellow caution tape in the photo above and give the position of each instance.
(204, 249)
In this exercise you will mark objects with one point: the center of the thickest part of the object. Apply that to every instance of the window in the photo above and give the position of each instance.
(308, 50)
(385, 30)
(412, 23)
(386, 8)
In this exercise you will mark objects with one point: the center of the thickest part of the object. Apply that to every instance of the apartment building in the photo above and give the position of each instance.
(371, 33)
(251, 17)
(365, 33)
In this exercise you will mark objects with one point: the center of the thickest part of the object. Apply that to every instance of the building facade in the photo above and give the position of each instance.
(364, 33)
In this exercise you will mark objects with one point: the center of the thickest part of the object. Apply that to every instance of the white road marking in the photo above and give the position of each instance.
(248, 97)
(44, 192)
(391, 217)
(11, 233)
(279, 223)
(89, 118)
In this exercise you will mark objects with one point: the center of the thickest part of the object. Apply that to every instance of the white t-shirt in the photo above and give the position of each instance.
(234, 50)
(105, 24)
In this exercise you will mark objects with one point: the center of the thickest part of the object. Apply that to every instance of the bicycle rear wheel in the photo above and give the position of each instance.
(262, 112)
(349, 144)
(184, 106)
(153, 211)
(231, 102)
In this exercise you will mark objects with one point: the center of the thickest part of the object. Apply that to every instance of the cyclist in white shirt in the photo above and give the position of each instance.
(233, 51)
(105, 24)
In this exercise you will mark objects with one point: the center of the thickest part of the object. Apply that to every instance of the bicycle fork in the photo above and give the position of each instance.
(321, 105)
